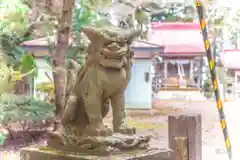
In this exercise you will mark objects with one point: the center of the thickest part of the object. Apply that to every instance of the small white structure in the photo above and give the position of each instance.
(230, 59)
(139, 92)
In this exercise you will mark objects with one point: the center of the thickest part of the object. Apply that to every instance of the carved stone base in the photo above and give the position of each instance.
(98, 145)
(45, 154)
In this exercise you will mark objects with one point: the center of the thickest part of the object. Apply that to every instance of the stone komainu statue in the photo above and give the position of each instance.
(98, 85)
(101, 83)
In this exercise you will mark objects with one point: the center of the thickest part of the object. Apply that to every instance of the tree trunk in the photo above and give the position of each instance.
(22, 87)
(59, 56)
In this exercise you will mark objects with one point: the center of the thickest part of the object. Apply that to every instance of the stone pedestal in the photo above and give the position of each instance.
(33, 153)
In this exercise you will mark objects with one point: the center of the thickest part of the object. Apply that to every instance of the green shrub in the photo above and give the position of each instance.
(208, 95)
(207, 88)
(15, 108)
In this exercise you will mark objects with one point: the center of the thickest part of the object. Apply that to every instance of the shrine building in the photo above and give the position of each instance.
(177, 70)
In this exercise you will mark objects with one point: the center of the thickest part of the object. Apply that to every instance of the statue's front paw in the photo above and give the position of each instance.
(124, 129)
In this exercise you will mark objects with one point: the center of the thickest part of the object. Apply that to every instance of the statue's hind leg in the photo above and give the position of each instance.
(69, 110)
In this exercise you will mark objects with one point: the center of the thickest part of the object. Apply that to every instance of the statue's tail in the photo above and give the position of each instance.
(71, 105)
(72, 73)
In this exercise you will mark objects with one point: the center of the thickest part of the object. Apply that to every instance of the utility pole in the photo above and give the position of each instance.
(212, 66)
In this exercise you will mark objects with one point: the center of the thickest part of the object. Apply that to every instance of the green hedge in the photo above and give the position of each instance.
(16, 108)
(21, 108)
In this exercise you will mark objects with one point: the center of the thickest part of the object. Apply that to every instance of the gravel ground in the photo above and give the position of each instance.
(212, 136)
(154, 122)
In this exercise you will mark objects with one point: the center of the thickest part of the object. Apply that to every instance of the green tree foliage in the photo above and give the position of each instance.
(15, 19)
(13, 26)
(85, 14)
(174, 12)
(28, 63)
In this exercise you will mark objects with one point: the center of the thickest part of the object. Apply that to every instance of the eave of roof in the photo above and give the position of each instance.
(143, 49)
(178, 38)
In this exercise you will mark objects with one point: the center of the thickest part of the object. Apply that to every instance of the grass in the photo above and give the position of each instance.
(141, 126)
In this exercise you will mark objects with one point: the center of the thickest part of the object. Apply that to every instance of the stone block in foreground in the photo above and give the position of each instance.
(33, 153)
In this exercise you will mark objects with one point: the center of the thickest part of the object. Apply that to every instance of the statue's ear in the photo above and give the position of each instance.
(133, 34)
(92, 33)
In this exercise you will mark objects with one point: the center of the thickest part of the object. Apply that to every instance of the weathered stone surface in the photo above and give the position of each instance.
(91, 90)
(101, 145)
(48, 154)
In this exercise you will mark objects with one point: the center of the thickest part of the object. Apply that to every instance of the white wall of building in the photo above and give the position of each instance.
(43, 68)
(138, 94)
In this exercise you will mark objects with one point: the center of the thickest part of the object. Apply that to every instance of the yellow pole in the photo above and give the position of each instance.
(211, 62)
